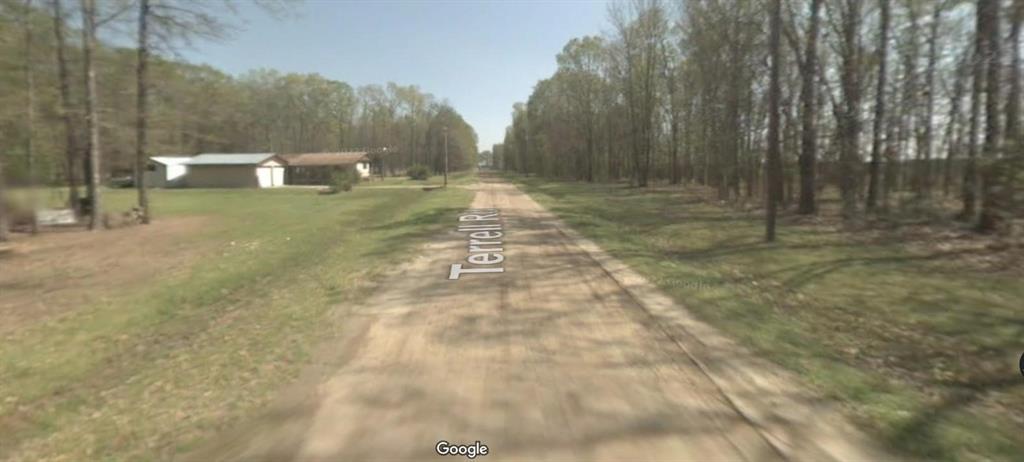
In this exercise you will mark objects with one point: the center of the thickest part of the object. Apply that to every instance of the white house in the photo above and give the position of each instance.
(215, 170)
(165, 171)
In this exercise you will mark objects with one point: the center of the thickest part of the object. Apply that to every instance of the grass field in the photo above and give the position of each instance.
(151, 368)
(454, 179)
(919, 342)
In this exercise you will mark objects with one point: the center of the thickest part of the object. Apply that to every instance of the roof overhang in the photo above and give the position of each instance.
(325, 159)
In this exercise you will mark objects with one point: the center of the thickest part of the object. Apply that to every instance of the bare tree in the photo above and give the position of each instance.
(670, 69)
(809, 131)
(774, 173)
(991, 205)
(3, 208)
(168, 21)
(849, 123)
(641, 30)
(925, 141)
(954, 140)
(723, 102)
(30, 114)
(91, 110)
(64, 83)
(970, 182)
(874, 172)
(1013, 130)
(580, 73)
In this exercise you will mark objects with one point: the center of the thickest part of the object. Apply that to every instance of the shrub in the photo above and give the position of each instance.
(418, 172)
(344, 179)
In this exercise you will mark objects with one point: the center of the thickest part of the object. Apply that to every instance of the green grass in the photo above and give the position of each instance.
(454, 179)
(920, 349)
(154, 369)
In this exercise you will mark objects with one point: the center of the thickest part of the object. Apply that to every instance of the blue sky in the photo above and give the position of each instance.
(482, 56)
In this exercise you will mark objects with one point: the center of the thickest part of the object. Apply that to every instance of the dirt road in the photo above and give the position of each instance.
(554, 359)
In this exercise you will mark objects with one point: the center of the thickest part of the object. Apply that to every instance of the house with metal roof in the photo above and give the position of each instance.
(219, 170)
(317, 167)
(166, 171)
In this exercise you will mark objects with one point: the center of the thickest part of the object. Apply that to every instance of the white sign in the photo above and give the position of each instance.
(50, 217)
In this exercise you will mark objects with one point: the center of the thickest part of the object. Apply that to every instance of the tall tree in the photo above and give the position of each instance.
(92, 121)
(580, 63)
(774, 173)
(641, 29)
(908, 107)
(925, 140)
(30, 114)
(670, 69)
(849, 122)
(3, 202)
(71, 154)
(970, 182)
(874, 172)
(954, 141)
(1013, 129)
(991, 206)
(809, 131)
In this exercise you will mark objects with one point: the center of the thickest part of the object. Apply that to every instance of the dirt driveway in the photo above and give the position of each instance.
(557, 358)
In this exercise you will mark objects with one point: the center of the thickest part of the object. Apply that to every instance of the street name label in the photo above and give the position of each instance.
(486, 231)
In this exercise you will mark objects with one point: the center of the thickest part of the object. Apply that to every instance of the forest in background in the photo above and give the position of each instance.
(191, 108)
(894, 104)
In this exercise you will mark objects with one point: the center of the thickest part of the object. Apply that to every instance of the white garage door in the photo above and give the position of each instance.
(277, 175)
(270, 177)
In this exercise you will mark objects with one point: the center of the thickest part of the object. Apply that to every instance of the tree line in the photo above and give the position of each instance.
(890, 103)
(75, 111)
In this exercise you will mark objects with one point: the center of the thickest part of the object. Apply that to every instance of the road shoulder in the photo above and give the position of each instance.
(792, 418)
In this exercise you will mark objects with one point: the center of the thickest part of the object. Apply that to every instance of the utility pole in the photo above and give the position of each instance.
(445, 156)
(141, 110)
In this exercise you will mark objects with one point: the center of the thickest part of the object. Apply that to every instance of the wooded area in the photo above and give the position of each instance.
(76, 110)
(897, 105)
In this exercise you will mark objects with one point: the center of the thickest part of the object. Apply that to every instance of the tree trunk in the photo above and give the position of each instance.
(141, 110)
(674, 144)
(674, 172)
(71, 143)
(874, 172)
(3, 210)
(91, 111)
(925, 174)
(30, 113)
(970, 183)
(849, 157)
(809, 131)
(992, 203)
(591, 147)
(774, 173)
(953, 130)
(1013, 99)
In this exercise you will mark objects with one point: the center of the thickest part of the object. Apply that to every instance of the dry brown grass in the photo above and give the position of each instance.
(54, 273)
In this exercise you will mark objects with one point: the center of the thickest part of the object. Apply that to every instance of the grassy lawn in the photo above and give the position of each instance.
(920, 347)
(454, 179)
(151, 369)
